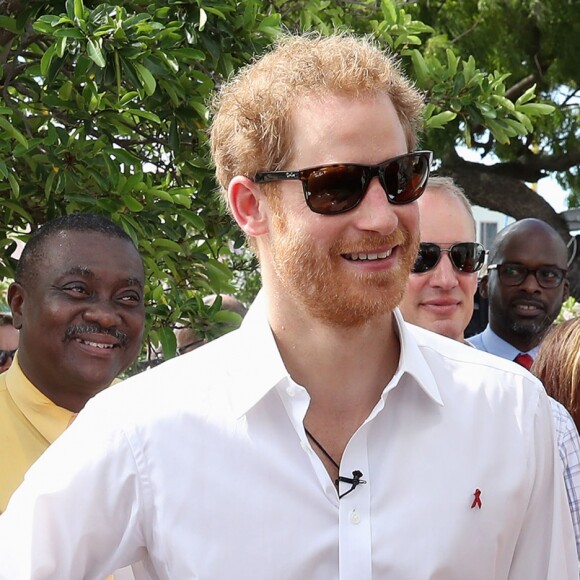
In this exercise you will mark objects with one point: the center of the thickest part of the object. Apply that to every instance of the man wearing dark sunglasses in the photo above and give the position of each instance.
(443, 279)
(8, 341)
(325, 438)
(525, 285)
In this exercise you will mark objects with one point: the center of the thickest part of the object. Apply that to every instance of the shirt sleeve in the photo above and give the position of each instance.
(78, 512)
(569, 450)
(546, 542)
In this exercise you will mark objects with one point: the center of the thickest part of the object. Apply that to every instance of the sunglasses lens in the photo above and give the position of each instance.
(467, 257)
(340, 188)
(335, 189)
(427, 258)
(405, 179)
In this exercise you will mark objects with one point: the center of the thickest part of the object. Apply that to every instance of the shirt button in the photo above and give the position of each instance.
(305, 447)
(291, 390)
(354, 518)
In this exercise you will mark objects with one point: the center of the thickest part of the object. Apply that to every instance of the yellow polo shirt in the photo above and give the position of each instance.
(29, 423)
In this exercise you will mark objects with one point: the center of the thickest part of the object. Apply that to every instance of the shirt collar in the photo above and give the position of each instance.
(255, 336)
(49, 419)
(412, 360)
(255, 342)
(498, 346)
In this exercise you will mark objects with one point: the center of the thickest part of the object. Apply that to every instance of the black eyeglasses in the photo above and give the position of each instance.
(467, 257)
(5, 355)
(338, 188)
(515, 274)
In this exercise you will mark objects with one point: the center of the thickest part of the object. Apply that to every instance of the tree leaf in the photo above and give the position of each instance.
(169, 244)
(79, 10)
(202, 19)
(440, 120)
(8, 23)
(13, 132)
(46, 60)
(132, 203)
(168, 341)
(95, 53)
(145, 115)
(146, 78)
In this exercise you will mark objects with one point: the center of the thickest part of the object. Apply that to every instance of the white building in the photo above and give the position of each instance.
(488, 223)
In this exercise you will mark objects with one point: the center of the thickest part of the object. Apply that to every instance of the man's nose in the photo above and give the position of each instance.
(444, 275)
(103, 312)
(530, 283)
(374, 212)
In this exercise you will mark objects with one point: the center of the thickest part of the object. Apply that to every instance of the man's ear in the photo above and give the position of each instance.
(483, 287)
(249, 206)
(15, 298)
(566, 293)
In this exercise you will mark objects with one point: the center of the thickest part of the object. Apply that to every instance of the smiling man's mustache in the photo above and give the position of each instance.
(77, 329)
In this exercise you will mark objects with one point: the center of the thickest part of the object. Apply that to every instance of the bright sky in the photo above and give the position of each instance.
(553, 194)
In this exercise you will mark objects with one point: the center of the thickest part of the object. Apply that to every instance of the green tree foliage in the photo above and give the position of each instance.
(537, 43)
(104, 108)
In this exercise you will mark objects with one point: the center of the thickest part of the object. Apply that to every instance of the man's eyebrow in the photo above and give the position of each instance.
(134, 282)
(80, 270)
(88, 273)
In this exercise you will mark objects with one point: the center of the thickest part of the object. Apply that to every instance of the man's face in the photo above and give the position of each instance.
(82, 316)
(521, 314)
(347, 268)
(8, 343)
(441, 299)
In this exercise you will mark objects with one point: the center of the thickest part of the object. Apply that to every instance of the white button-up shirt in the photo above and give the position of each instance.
(200, 468)
(567, 438)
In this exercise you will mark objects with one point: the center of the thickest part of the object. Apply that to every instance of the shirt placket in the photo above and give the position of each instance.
(296, 401)
(355, 540)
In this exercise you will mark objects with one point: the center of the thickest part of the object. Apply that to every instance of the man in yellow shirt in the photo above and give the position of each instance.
(78, 302)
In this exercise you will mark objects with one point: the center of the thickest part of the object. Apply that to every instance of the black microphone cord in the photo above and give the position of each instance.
(356, 475)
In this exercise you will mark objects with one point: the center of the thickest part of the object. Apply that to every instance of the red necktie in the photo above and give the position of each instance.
(524, 359)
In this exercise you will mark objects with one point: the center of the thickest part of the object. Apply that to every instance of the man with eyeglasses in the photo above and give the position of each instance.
(8, 341)
(443, 280)
(326, 438)
(525, 285)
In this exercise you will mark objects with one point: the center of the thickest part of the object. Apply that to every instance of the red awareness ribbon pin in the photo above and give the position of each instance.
(477, 499)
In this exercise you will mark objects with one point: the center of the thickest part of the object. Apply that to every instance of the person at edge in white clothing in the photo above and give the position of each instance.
(439, 297)
(325, 438)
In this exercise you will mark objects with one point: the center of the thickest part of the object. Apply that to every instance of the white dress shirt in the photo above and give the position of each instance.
(200, 468)
(567, 437)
